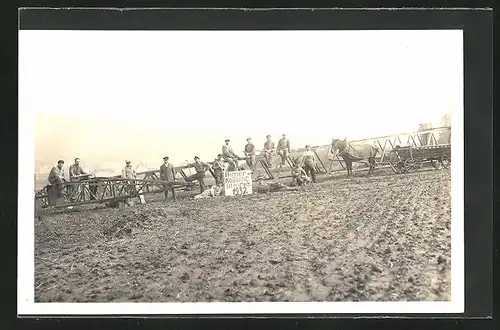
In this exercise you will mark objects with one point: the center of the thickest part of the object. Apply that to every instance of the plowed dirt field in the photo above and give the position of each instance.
(381, 238)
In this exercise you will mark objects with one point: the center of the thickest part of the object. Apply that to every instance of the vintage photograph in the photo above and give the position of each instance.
(242, 166)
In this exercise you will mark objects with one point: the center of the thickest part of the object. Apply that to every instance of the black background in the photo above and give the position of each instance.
(478, 48)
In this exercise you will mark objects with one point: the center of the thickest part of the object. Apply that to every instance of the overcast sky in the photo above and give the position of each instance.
(181, 93)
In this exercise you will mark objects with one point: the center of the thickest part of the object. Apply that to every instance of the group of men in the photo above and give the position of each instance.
(302, 172)
(57, 179)
(283, 150)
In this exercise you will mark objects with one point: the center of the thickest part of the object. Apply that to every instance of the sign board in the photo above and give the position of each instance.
(237, 183)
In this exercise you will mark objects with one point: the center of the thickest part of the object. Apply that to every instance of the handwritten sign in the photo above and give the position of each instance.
(237, 183)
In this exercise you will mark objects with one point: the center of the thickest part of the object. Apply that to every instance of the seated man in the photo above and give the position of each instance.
(250, 156)
(308, 160)
(56, 179)
(283, 149)
(230, 156)
(269, 151)
(299, 175)
(76, 173)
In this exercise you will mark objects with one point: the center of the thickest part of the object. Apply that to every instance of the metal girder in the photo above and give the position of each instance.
(103, 190)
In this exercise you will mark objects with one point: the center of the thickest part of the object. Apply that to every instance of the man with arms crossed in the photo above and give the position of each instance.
(218, 168)
(200, 168)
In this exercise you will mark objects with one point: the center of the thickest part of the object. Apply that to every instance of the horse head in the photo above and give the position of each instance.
(338, 145)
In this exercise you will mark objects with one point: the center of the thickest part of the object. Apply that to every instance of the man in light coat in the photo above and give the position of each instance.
(309, 163)
(230, 156)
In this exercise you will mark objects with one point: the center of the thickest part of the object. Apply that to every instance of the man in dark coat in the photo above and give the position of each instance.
(56, 180)
(218, 168)
(250, 154)
(200, 168)
(167, 173)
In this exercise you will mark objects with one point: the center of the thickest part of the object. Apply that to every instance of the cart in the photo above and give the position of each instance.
(410, 158)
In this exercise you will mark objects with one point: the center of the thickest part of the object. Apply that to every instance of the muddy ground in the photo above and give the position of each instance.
(382, 238)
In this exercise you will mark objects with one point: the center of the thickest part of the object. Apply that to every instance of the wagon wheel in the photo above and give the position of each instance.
(436, 163)
(410, 164)
(396, 163)
(445, 162)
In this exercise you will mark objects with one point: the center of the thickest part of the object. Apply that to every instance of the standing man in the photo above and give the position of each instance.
(283, 149)
(308, 161)
(200, 168)
(167, 173)
(268, 150)
(75, 171)
(129, 173)
(250, 154)
(56, 180)
(230, 156)
(218, 168)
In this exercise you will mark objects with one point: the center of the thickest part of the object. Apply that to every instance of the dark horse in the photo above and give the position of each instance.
(363, 153)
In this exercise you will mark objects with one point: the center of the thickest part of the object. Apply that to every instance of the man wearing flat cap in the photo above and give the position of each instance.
(230, 156)
(167, 173)
(250, 154)
(268, 151)
(283, 149)
(308, 161)
(218, 168)
(200, 168)
(129, 173)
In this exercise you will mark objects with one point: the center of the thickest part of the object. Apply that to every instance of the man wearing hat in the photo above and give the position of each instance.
(200, 168)
(230, 156)
(308, 161)
(250, 154)
(167, 173)
(129, 173)
(268, 150)
(218, 168)
(283, 149)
